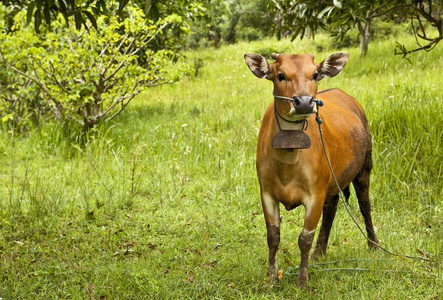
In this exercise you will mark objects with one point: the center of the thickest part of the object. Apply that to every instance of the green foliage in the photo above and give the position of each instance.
(86, 76)
(229, 22)
(80, 12)
(188, 10)
(254, 21)
(157, 9)
(300, 18)
(296, 18)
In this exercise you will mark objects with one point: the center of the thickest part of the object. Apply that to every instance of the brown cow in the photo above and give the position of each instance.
(302, 176)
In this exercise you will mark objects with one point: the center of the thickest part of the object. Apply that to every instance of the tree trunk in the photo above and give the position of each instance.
(147, 8)
(364, 37)
(231, 38)
(215, 34)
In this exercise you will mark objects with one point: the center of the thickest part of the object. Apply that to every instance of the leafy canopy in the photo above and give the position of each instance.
(298, 18)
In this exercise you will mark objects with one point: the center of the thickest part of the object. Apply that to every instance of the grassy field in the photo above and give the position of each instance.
(164, 202)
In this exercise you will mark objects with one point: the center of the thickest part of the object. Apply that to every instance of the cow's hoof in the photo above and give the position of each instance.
(301, 284)
(273, 278)
(302, 279)
(373, 246)
(272, 274)
(317, 254)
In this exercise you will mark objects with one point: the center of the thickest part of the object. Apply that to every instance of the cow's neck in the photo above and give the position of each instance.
(281, 155)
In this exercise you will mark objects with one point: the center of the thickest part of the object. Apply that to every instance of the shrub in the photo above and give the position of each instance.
(88, 76)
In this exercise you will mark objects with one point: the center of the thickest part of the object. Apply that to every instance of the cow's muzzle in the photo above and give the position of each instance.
(303, 105)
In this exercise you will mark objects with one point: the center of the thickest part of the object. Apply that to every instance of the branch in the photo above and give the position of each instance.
(41, 85)
(143, 41)
(58, 113)
(135, 93)
(152, 37)
(427, 15)
(134, 38)
(76, 120)
(104, 49)
(421, 27)
(52, 74)
(161, 83)
(419, 11)
(111, 107)
(428, 47)
(120, 65)
(69, 38)
(389, 10)
(120, 100)
(115, 52)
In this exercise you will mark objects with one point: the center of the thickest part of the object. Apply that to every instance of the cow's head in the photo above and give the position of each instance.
(296, 76)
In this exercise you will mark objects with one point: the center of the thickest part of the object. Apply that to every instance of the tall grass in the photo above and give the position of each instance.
(164, 202)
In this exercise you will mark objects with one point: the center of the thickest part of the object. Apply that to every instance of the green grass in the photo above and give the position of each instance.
(164, 202)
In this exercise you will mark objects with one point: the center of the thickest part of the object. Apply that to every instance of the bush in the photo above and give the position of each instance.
(86, 76)
(250, 34)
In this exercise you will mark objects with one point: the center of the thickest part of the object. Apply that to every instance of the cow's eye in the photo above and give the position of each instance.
(315, 76)
(281, 77)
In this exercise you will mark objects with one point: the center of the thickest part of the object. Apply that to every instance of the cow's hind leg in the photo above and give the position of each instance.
(361, 185)
(329, 210)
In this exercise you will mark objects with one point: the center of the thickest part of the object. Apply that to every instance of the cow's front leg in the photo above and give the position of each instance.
(304, 243)
(272, 217)
(305, 239)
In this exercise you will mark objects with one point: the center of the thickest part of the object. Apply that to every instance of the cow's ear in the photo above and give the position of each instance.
(333, 64)
(258, 65)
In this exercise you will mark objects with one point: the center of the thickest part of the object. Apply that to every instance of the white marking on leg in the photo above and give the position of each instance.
(271, 209)
(306, 232)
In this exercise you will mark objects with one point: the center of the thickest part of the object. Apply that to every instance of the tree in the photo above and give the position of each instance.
(338, 17)
(188, 10)
(85, 75)
(231, 20)
(210, 26)
(249, 21)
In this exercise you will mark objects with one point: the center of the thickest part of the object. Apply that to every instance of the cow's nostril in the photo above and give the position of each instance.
(296, 101)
